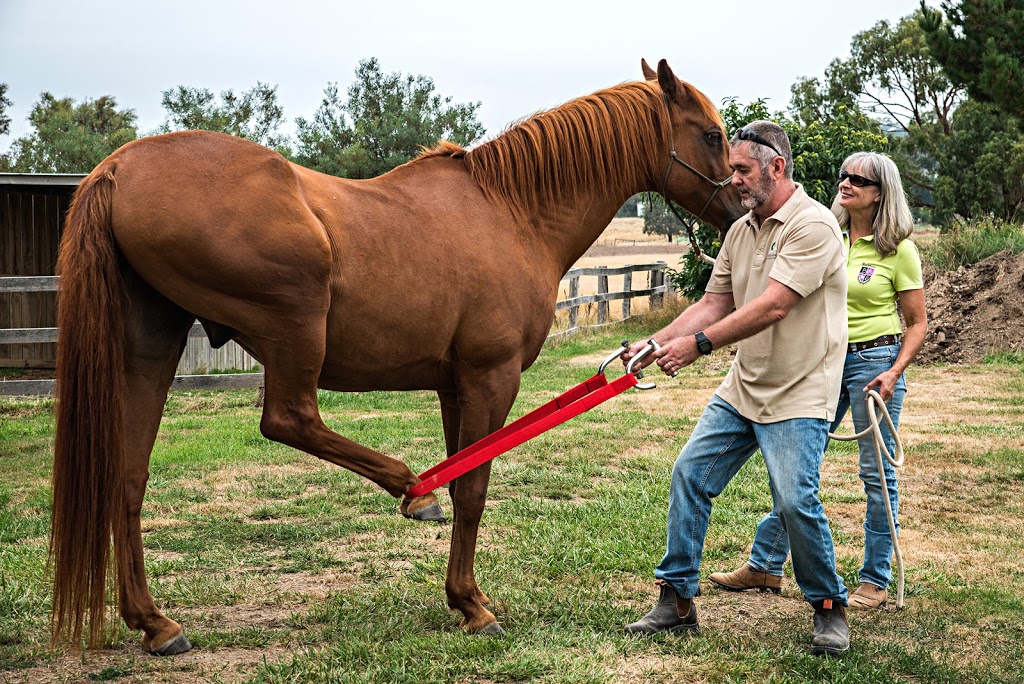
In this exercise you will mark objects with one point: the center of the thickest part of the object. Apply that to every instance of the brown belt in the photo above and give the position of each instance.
(883, 341)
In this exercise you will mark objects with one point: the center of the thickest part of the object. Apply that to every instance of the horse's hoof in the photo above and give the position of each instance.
(431, 513)
(179, 644)
(490, 629)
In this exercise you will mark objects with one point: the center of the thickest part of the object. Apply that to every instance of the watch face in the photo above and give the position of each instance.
(703, 343)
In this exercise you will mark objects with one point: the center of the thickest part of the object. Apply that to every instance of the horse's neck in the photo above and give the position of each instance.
(567, 231)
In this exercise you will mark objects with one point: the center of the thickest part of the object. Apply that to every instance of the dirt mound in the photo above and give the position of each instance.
(975, 310)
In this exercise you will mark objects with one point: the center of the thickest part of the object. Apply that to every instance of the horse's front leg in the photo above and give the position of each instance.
(484, 402)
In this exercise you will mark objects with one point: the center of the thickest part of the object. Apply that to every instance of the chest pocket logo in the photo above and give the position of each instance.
(772, 253)
(865, 274)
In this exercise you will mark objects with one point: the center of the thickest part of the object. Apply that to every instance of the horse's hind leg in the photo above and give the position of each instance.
(156, 332)
(291, 414)
(485, 398)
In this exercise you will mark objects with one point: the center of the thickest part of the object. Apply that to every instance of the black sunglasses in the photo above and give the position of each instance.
(859, 181)
(747, 134)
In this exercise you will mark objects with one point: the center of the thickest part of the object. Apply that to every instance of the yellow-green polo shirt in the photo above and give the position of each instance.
(793, 368)
(874, 281)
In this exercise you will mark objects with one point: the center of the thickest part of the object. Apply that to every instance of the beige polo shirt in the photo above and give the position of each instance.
(792, 369)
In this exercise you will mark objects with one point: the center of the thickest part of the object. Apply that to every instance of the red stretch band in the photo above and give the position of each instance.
(570, 404)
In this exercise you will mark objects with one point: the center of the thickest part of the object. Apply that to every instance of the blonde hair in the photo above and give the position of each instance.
(893, 222)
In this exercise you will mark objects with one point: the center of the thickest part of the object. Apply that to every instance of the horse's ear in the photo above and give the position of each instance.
(649, 73)
(667, 80)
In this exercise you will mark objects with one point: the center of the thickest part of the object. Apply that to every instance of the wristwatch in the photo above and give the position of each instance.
(703, 343)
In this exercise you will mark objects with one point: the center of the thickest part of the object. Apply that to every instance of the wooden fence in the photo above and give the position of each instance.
(657, 290)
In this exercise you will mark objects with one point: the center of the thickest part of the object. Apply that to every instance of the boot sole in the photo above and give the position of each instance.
(674, 630)
(828, 650)
(731, 587)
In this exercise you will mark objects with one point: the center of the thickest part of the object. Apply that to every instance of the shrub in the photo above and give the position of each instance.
(693, 275)
(969, 241)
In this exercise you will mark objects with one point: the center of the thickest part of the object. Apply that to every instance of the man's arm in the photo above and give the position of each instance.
(753, 317)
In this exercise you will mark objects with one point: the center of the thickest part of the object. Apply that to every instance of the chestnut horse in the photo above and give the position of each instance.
(440, 275)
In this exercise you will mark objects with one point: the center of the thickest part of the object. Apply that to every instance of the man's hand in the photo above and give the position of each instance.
(633, 350)
(677, 354)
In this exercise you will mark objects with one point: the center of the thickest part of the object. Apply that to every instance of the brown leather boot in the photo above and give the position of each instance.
(867, 596)
(746, 577)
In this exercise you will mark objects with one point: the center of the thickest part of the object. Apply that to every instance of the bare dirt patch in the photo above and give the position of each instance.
(975, 310)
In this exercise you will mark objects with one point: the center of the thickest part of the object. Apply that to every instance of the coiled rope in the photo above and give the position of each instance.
(877, 409)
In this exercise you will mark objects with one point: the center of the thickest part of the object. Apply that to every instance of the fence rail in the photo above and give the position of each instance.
(656, 292)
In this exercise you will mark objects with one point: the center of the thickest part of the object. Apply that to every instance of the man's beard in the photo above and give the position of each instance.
(758, 197)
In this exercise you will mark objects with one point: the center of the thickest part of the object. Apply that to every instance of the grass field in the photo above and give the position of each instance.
(285, 569)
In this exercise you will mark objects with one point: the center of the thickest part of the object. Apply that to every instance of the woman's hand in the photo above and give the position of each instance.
(884, 384)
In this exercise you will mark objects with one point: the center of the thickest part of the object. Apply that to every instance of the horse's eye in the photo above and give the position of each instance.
(714, 137)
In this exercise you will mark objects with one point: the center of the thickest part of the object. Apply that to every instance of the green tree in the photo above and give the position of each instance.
(659, 220)
(981, 171)
(628, 208)
(70, 138)
(5, 125)
(979, 44)
(895, 76)
(891, 76)
(5, 120)
(254, 114)
(385, 121)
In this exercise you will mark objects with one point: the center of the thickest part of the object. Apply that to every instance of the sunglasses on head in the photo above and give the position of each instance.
(859, 181)
(749, 135)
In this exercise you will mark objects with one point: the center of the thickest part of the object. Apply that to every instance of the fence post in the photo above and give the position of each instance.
(574, 291)
(602, 307)
(657, 280)
(627, 286)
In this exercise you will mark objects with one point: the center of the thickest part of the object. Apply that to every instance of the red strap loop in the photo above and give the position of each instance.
(570, 404)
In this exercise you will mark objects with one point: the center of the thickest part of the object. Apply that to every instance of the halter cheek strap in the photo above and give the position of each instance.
(673, 158)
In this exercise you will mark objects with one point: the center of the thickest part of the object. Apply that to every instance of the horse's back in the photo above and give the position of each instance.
(220, 226)
(236, 234)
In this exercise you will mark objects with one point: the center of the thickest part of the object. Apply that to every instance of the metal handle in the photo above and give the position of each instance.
(652, 346)
(614, 355)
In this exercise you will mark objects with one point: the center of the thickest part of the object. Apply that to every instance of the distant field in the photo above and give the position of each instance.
(623, 242)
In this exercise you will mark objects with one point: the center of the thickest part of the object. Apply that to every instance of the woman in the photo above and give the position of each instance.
(884, 270)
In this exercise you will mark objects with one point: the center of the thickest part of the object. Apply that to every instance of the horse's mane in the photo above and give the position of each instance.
(600, 141)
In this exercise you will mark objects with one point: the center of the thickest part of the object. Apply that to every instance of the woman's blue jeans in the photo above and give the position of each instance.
(721, 443)
(770, 543)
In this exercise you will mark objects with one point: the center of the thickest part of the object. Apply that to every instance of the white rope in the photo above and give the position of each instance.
(876, 408)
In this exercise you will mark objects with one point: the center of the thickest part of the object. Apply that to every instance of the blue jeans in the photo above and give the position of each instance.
(770, 543)
(721, 443)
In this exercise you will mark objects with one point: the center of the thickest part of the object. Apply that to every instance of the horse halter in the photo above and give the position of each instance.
(674, 158)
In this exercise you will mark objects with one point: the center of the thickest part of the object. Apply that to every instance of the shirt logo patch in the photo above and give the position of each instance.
(865, 274)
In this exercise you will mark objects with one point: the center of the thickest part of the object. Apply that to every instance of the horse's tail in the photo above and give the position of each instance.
(89, 450)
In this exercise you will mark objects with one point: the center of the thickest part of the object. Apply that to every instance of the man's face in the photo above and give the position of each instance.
(754, 187)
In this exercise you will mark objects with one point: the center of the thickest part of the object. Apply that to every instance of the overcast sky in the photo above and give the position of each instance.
(514, 58)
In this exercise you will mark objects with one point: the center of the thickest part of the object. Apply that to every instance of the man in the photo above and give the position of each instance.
(782, 269)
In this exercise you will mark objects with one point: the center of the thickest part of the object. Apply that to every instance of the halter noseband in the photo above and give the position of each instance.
(673, 158)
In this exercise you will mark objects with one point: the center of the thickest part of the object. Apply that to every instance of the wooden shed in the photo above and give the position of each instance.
(32, 210)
